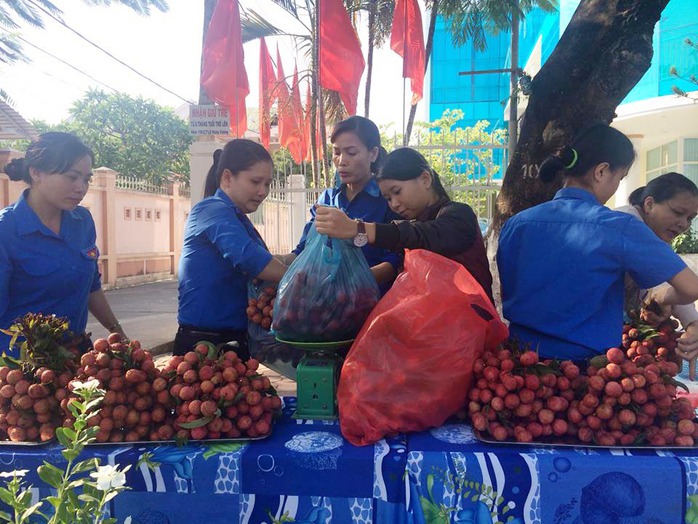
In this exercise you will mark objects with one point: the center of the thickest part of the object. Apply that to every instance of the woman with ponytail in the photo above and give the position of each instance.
(431, 220)
(222, 250)
(48, 250)
(562, 263)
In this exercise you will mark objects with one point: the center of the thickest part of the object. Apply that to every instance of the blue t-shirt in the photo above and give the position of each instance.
(221, 251)
(562, 266)
(41, 272)
(368, 205)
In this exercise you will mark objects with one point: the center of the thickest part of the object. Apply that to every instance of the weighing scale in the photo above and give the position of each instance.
(317, 376)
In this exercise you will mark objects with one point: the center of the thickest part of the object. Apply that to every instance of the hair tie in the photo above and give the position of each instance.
(575, 157)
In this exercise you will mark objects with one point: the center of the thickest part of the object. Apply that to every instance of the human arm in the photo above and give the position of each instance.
(99, 307)
(384, 272)
(273, 271)
(683, 289)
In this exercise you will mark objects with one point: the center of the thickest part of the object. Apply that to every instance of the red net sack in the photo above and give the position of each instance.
(410, 367)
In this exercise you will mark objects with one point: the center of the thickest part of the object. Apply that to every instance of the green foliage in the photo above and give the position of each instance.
(686, 242)
(133, 136)
(78, 499)
(462, 156)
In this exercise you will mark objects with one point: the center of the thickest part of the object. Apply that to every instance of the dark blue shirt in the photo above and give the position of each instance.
(368, 205)
(221, 251)
(41, 272)
(562, 266)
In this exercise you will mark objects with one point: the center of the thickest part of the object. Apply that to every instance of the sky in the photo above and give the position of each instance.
(166, 48)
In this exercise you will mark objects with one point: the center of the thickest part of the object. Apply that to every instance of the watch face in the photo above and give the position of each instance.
(361, 240)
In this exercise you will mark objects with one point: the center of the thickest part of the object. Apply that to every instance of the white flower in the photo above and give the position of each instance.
(90, 384)
(15, 473)
(109, 477)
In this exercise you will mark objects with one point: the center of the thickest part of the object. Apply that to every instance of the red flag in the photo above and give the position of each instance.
(223, 74)
(288, 125)
(300, 146)
(407, 40)
(267, 82)
(341, 60)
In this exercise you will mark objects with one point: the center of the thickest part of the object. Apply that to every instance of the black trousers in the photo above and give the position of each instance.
(230, 340)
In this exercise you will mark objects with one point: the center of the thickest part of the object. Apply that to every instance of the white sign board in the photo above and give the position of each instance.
(209, 120)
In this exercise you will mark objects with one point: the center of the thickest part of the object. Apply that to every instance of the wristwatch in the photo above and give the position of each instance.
(361, 238)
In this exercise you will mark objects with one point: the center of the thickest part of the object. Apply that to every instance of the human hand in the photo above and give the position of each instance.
(653, 311)
(333, 222)
(687, 348)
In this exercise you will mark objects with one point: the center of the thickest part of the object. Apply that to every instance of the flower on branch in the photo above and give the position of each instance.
(91, 384)
(14, 473)
(108, 477)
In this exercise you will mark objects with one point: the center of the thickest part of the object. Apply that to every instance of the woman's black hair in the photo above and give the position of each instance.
(52, 153)
(594, 145)
(407, 164)
(663, 188)
(367, 132)
(211, 184)
(237, 155)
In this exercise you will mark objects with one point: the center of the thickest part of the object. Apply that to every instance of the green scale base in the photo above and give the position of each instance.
(316, 383)
(317, 376)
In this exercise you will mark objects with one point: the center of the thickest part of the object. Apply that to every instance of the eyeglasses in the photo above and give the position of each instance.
(76, 177)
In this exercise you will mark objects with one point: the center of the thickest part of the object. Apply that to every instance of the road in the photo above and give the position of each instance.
(148, 313)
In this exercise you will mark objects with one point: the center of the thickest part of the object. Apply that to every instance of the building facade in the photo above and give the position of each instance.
(662, 125)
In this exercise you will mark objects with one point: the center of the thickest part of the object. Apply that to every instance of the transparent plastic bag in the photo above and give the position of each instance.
(326, 294)
(263, 345)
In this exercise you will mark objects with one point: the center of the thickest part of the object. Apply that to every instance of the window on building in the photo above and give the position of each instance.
(662, 160)
(148, 214)
(157, 215)
(127, 213)
(139, 213)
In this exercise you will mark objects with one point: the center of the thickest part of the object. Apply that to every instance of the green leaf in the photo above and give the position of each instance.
(505, 510)
(30, 511)
(62, 437)
(7, 497)
(88, 498)
(54, 501)
(678, 384)
(475, 497)
(223, 447)
(199, 422)
(50, 474)
(70, 454)
(85, 465)
(500, 499)
(430, 485)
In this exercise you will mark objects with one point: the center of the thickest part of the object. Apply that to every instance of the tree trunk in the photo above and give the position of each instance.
(602, 54)
(369, 57)
(427, 54)
(513, 82)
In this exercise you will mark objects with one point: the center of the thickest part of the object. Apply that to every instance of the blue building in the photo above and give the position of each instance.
(662, 125)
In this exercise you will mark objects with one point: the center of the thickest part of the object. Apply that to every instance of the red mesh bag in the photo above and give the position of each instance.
(411, 364)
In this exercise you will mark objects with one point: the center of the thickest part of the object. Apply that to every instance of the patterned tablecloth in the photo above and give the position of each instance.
(306, 472)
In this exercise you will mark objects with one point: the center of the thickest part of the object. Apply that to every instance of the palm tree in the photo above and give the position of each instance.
(380, 20)
(15, 13)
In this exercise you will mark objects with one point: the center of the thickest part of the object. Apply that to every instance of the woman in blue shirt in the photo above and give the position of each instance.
(357, 154)
(48, 251)
(562, 263)
(223, 250)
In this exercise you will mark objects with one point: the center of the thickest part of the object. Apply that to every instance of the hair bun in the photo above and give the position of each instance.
(17, 170)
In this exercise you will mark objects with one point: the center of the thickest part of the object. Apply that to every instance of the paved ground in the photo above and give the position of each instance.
(148, 313)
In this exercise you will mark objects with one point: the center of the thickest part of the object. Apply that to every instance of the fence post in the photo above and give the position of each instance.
(106, 178)
(298, 207)
(174, 226)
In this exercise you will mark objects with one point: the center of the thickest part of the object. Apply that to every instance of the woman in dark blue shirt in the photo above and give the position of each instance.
(223, 250)
(48, 250)
(357, 154)
(562, 264)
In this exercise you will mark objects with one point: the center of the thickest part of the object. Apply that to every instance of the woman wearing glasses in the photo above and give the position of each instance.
(48, 250)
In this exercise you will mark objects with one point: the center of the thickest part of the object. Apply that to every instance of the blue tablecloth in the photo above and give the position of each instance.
(306, 472)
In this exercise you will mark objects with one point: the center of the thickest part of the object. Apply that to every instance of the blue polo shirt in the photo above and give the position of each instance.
(41, 272)
(222, 250)
(562, 266)
(368, 205)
